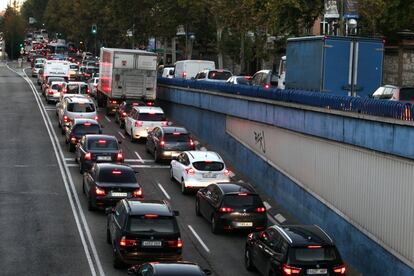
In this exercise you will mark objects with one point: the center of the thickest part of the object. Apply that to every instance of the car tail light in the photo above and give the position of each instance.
(242, 194)
(226, 172)
(116, 172)
(184, 74)
(341, 270)
(162, 143)
(260, 209)
(88, 156)
(96, 118)
(151, 216)
(164, 123)
(87, 124)
(124, 114)
(88, 91)
(191, 142)
(226, 210)
(178, 243)
(101, 141)
(290, 270)
(124, 242)
(64, 91)
(73, 139)
(150, 103)
(50, 92)
(119, 156)
(137, 193)
(314, 246)
(99, 191)
(139, 123)
(190, 171)
(267, 86)
(250, 236)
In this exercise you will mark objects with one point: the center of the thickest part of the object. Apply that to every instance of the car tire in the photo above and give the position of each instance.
(83, 187)
(156, 157)
(90, 205)
(108, 236)
(81, 168)
(63, 131)
(197, 208)
(117, 263)
(184, 190)
(214, 226)
(132, 137)
(171, 175)
(248, 260)
(71, 147)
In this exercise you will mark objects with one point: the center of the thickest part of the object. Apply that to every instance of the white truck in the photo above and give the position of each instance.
(126, 74)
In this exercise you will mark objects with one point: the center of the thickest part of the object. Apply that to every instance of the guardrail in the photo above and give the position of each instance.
(382, 108)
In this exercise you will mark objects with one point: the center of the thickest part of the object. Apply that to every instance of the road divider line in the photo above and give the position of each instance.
(140, 160)
(198, 238)
(164, 191)
(79, 216)
(150, 166)
(280, 218)
(120, 134)
(139, 157)
(72, 165)
(267, 205)
(107, 118)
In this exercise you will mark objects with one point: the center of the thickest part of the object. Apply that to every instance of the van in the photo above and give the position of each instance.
(187, 69)
(56, 68)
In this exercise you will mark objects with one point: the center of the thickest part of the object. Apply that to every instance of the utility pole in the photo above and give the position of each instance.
(133, 35)
(341, 18)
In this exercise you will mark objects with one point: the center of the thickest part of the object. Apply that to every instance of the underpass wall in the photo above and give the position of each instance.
(206, 114)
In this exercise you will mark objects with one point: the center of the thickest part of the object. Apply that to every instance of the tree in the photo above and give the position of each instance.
(35, 9)
(13, 30)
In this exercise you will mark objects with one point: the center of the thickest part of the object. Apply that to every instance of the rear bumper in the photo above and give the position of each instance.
(141, 257)
(235, 223)
(192, 183)
(169, 154)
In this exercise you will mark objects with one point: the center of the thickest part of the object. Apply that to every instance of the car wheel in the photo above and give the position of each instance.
(214, 226)
(63, 131)
(156, 157)
(118, 263)
(171, 174)
(197, 208)
(248, 260)
(83, 187)
(81, 168)
(116, 118)
(183, 188)
(71, 147)
(132, 137)
(90, 205)
(108, 236)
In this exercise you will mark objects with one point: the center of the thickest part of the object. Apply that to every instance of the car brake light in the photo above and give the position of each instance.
(162, 143)
(139, 123)
(226, 210)
(242, 194)
(50, 92)
(267, 86)
(191, 142)
(119, 156)
(226, 172)
(66, 119)
(102, 141)
(116, 172)
(260, 209)
(290, 270)
(124, 242)
(151, 216)
(96, 118)
(88, 156)
(190, 171)
(87, 124)
(124, 114)
(184, 74)
(114, 102)
(73, 139)
(137, 193)
(150, 103)
(314, 246)
(176, 133)
(340, 269)
(88, 91)
(99, 191)
(175, 243)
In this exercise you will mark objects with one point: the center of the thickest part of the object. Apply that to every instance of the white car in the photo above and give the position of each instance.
(36, 68)
(143, 119)
(77, 87)
(70, 108)
(213, 75)
(198, 169)
(93, 86)
(54, 91)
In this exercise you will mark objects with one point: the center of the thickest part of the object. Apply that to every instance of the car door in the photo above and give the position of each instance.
(90, 179)
(176, 166)
(128, 121)
(268, 241)
(81, 148)
(184, 163)
(212, 201)
(205, 195)
(157, 136)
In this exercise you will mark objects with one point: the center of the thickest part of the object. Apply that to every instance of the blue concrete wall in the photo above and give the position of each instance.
(209, 124)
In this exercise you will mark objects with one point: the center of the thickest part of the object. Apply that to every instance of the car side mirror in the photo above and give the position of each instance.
(207, 271)
(102, 126)
(176, 213)
(136, 172)
(119, 141)
(170, 123)
(109, 210)
(133, 270)
(192, 78)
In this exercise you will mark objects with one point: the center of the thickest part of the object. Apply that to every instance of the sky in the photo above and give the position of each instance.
(3, 4)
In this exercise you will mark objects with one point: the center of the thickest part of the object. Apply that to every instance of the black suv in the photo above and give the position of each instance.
(231, 206)
(293, 250)
(143, 230)
(168, 142)
(105, 184)
(79, 128)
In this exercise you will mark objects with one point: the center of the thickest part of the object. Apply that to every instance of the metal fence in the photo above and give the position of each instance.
(382, 108)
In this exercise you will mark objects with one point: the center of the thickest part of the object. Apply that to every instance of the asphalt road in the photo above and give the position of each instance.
(46, 227)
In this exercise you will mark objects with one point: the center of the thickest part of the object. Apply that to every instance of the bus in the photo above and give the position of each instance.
(57, 48)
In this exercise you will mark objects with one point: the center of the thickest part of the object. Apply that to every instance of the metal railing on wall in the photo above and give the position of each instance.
(368, 106)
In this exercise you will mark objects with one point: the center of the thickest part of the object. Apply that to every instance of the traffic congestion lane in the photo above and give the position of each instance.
(35, 216)
(155, 180)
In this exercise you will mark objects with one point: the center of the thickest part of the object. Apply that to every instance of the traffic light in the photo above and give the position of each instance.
(94, 29)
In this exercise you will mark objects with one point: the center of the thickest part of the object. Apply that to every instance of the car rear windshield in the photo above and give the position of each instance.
(161, 224)
(50, 79)
(305, 255)
(116, 176)
(219, 75)
(57, 87)
(208, 166)
(178, 137)
(236, 201)
(74, 67)
(86, 129)
(102, 144)
(77, 89)
(39, 65)
(81, 107)
(406, 94)
(152, 117)
(242, 80)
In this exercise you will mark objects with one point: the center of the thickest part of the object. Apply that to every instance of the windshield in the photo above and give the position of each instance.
(81, 107)
(102, 144)
(236, 200)
(208, 166)
(151, 117)
(219, 75)
(158, 224)
(120, 176)
(304, 255)
(86, 129)
(178, 137)
(242, 80)
(77, 89)
(58, 87)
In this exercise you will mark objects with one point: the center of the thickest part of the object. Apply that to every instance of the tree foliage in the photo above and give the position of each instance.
(13, 31)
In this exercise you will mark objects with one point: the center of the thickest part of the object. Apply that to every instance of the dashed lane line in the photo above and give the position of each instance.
(198, 238)
(120, 134)
(164, 191)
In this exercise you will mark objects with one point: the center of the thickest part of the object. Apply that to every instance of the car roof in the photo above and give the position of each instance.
(82, 121)
(57, 82)
(113, 166)
(148, 109)
(199, 155)
(178, 268)
(233, 188)
(77, 82)
(172, 129)
(100, 136)
(80, 99)
(144, 207)
(70, 96)
(304, 235)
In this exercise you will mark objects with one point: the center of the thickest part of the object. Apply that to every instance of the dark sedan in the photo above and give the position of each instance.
(79, 128)
(231, 206)
(105, 184)
(97, 149)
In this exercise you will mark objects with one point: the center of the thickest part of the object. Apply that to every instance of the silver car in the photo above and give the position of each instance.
(54, 91)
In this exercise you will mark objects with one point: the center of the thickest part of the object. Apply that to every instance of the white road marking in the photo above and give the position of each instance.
(150, 166)
(267, 205)
(139, 157)
(50, 109)
(139, 160)
(72, 165)
(198, 238)
(106, 117)
(21, 166)
(272, 219)
(120, 134)
(164, 191)
(69, 186)
(280, 218)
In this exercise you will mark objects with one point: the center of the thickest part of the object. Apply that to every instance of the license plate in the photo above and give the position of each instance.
(209, 175)
(104, 158)
(151, 243)
(117, 194)
(316, 271)
(244, 224)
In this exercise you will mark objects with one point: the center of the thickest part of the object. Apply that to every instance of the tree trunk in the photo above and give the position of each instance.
(242, 62)
(220, 53)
